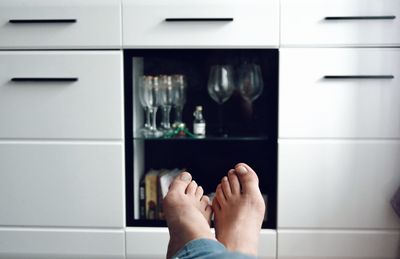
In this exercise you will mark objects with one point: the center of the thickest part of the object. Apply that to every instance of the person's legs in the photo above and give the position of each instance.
(187, 212)
(239, 210)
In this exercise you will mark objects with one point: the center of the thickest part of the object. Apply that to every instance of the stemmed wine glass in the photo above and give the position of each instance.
(146, 127)
(179, 97)
(250, 82)
(167, 100)
(220, 88)
(152, 99)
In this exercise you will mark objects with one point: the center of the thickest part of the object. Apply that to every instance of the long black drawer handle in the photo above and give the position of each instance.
(359, 77)
(42, 21)
(198, 19)
(384, 17)
(44, 79)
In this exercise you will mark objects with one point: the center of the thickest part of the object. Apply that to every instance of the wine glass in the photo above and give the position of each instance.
(220, 88)
(179, 86)
(167, 100)
(250, 82)
(152, 99)
(146, 127)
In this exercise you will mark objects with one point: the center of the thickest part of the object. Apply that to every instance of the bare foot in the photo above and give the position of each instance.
(239, 210)
(187, 212)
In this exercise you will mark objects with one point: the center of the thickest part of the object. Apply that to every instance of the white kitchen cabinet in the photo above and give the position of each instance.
(320, 98)
(61, 243)
(61, 24)
(337, 184)
(338, 244)
(62, 184)
(340, 23)
(200, 23)
(137, 240)
(82, 100)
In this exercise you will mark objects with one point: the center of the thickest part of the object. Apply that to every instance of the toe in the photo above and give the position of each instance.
(191, 188)
(233, 182)
(205, 201)
(247, 177)
(226, 188)
(180, 183)
(215, 205)
(219, 194)
(199, 192)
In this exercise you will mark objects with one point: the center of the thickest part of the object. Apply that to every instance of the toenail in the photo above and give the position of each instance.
(224, 178)
(186, 177)
(241, 169)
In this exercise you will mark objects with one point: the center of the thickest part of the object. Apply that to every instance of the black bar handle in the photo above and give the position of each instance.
(384, 17)
(198, 19)
(44, 79)
(359, 77)
(42, 21)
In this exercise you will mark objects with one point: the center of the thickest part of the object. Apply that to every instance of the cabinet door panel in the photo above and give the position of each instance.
(61, 94)
(339, 244)
(61, 184)
(61, 24)
(340, 22)
(338, 184)
(344, 105)
(247, 23)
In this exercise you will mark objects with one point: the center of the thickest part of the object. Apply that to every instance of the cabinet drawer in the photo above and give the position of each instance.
(60, 24)
(88, 104)
(137, 240)
(338, 184)
(313, 106)
(340, 22)
(61, 184)
(338, 244)
(223, 23)
(61, 243)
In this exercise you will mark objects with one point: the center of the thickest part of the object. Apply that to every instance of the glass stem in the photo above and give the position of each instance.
(220, 120)
(153, 111)
(178, 114)
(166, 112)
(147, 123)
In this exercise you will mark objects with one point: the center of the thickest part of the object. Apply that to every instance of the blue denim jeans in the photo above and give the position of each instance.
(208, 249)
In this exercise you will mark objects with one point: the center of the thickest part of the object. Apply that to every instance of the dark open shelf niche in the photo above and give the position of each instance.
(262, 142)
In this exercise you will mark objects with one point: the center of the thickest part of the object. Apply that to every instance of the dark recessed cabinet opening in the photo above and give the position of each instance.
(241, 129)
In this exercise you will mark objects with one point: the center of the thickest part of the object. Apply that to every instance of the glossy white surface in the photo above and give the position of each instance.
(153, 243)
(313, 107)
(43, 243)
(90, 108)
(303, 23)
(337, 184)
(256, 23)
(61, 184)
(338, 244)
(98, 24)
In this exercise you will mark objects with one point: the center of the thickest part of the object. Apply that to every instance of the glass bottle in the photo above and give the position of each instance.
(199, 124)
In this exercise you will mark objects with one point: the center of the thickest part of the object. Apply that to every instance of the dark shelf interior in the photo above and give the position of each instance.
(251, 128)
